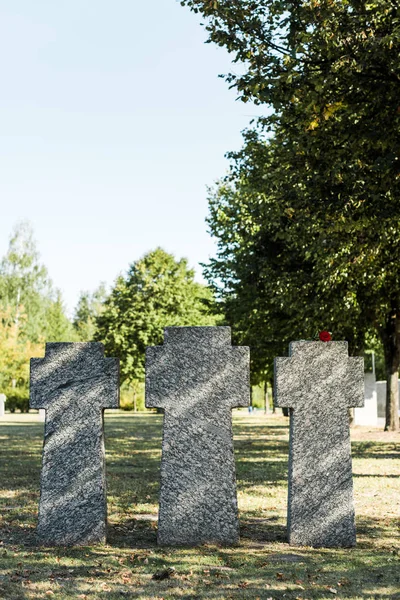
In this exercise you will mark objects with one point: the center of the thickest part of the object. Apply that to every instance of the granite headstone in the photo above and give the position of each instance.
(381, 387)
(74, 383)
(319, 383)
(368, 414)
(197, 377)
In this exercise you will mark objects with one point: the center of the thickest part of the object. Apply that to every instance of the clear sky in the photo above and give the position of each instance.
(112, 123)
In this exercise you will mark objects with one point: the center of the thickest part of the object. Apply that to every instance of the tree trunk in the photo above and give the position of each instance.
(271, 383)
(134, 400)
(266, 398)
(391, 347)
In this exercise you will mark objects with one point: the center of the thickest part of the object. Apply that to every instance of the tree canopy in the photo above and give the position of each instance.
(158, 291)
(316, 186)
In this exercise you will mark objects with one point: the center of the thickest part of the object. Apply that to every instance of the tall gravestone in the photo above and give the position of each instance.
(319, 383)
(197, 377)
(74, 383)
(368, 414)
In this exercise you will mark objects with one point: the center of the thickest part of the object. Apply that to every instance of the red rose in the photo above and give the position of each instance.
(325, 336)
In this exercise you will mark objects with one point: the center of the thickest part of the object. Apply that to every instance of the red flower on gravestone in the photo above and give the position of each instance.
(325, 336)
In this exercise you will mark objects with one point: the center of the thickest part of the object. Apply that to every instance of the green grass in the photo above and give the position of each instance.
(261, 566)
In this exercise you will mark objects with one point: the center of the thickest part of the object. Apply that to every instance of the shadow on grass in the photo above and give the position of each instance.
(139, 532)
(265, 530)
(381, 450)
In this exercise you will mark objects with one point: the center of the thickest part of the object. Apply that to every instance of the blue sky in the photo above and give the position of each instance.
(113, 121)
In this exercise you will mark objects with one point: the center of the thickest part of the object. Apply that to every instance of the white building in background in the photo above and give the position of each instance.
(2, 402)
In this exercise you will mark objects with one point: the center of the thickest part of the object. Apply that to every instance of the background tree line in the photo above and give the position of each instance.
(157, 291)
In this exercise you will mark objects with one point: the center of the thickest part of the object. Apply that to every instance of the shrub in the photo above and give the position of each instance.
(17, 399)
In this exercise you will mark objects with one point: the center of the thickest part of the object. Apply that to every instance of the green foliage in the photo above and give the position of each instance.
(25, 287)
(89, 307)
(27, 294)
(157, 292)
(275, 264)
(132, 397)
(15, 352)
(30, 313)
(311, 209)
(17, 399)
(58, 326)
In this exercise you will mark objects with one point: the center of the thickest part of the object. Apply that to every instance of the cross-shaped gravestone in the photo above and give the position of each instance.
(319, 383)
(3, 398)
(197, 377)
(74, 383)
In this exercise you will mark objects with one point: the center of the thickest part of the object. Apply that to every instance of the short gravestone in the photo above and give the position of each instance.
(368, 414)
(319, 383)
(381, 400)
(197, 377)
(3, 399)
(74, 383)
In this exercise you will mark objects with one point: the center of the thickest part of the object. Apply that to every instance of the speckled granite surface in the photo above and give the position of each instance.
(319, 382)
(74, 383)
(197, 377)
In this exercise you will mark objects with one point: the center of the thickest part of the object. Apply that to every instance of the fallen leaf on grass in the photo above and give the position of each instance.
(105, 587)
(280, 576)
(164, 574)
(332, 590)
(243, 584)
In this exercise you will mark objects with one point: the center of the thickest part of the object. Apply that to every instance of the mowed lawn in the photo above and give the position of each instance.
(262, 566)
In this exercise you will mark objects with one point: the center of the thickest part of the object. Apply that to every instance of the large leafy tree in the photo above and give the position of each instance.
(272, 268)
(158, 291)
(330, 70)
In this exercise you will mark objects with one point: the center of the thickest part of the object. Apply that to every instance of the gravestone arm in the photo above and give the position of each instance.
(355, 382)
(36, 399)
(154, 390)
(239, 376)
(48, 381)
(110, 397)
(286, 385)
